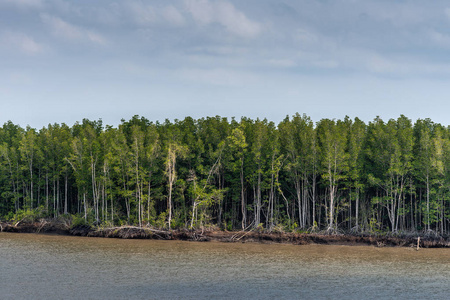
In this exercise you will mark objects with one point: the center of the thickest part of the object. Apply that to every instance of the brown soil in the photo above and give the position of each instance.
(43, 226)
(131, 232)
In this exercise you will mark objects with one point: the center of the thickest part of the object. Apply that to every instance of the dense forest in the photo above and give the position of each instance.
(335, 175)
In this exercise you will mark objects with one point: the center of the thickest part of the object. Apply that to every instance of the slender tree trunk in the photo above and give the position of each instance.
(428, 203)
(65, 195)
(31, 184)
(57, 198)
(331, 195)
(85, 205)
(54, 198)
(412, 212)
(305, 200)
(112, 200)
(298, 188)
(357, 209)
(244, 220)
(138, 194)
(314, 198)
(94, 188)
(46, 191)
(169, 200)
(258, 200)
(271, 196)
(149, 195)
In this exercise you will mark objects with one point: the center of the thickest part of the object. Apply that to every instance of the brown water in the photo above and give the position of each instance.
(63, 267)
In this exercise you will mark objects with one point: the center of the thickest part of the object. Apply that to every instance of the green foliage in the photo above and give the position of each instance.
(161, 221)
(28, 215)
(78, 220)
(374, 226)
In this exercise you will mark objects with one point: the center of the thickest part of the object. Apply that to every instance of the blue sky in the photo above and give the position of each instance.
(62, 61)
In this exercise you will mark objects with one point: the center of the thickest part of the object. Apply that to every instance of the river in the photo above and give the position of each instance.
(34, 266)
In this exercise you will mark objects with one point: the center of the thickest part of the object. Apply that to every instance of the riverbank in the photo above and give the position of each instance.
(132, 232)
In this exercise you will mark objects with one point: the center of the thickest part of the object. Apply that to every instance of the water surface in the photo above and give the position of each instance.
(36, 266)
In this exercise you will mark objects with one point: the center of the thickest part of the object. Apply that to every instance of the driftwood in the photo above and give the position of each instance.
(243, 232)
(126, 232)
(43, 223)
(380, 244)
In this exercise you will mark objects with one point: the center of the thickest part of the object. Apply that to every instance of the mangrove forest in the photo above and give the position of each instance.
(298, 175)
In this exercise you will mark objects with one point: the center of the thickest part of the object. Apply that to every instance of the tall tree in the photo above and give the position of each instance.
(29, 151)
(174, 151)
(238, 145)
(332, 138)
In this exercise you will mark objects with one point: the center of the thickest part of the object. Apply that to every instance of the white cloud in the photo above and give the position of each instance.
(440, 39)
(19, 78)
(221, 50)
(378, 64)
(401, 66)
(23, 3)
(305, 37)
(67, 31)
(447, 12)
(61, 28)
(172, 15)
(21, 42)
(326, 64)
(282, 63)
(236, 21)
(218, 77)
(145, 14)
(142, 13)
(201, 10)
(224, 13)
(95, 38)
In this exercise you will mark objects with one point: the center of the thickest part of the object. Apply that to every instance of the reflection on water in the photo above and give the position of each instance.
(63, 267)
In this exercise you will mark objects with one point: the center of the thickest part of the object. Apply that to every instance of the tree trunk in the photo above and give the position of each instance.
(244, 220)
(428, 203)
(65, 195)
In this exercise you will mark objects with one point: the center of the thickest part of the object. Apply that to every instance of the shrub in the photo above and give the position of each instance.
(78, 220)
(28, 215)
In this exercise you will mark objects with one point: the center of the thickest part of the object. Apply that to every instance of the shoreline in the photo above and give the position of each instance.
(133, 232)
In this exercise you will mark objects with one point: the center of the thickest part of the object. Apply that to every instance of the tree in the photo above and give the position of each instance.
(356, 137)
(238, 147)
(205, 194)
(29, 151)
(297, 138)
(426, 163)
(174, 150)
(332, 139)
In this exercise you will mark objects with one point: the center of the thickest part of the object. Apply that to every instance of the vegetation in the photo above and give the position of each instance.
(336, 175)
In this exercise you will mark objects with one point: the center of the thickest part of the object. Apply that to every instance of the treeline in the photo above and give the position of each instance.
(297, 175)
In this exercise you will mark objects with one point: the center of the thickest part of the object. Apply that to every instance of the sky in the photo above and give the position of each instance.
(62, 61)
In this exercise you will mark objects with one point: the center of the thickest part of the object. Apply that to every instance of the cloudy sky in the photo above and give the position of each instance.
(62, 61)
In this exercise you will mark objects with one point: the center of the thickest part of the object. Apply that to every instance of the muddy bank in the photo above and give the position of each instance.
(263, 237)
(131, 232)
(330, 239)
(42, 226)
